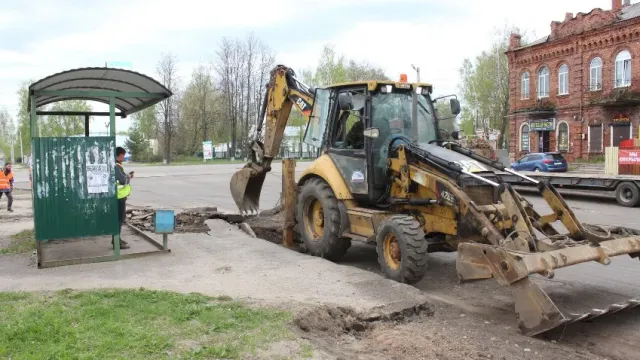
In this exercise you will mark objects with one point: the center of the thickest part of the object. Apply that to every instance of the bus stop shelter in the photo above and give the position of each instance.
(74, 185)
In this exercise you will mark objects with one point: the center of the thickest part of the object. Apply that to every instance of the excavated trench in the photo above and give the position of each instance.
(319, 321)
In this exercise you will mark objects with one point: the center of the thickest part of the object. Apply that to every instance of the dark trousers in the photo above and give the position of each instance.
(122, 209)
(9, 198)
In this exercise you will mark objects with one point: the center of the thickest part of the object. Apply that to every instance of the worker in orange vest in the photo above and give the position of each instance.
(6, 184)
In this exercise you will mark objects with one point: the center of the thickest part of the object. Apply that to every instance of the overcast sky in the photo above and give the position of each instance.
(41, 37)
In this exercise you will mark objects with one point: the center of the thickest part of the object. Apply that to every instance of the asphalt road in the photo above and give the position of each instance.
(179, 187)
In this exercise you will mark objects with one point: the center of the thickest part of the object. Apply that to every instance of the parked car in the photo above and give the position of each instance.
(541, 162)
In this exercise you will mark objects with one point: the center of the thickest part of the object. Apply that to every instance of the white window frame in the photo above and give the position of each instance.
(563, 79)
(558, 136)
(542, 87)
(595, 82)
(611, 134)
(528, 134)
(524, 85)
(622, 70)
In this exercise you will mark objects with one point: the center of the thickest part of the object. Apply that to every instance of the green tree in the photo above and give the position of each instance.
(58, 125)
(146, 122)
(24, 124)
(296, 119)
(465, 123)
(335, 68)
(485, 85)
(7, 132)
(137, 145)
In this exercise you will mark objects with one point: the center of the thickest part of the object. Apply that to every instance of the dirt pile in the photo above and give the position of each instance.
(266, 225)
(188, 221)
(339, 321)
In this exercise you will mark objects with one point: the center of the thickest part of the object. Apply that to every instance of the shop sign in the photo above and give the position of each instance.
(628, 157)
(621, 119)
(542, 124)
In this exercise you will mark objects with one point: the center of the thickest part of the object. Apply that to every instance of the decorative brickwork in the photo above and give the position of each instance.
(595, 95)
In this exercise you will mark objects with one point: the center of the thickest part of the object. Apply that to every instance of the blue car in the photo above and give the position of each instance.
(541, 162)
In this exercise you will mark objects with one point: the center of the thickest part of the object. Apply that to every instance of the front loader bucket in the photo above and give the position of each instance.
(246, 186)
(536, 312)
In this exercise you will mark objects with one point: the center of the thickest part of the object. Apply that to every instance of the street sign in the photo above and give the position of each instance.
(207, 150)
(542, 124)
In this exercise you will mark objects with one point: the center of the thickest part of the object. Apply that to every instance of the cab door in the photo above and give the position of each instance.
(317, 124)
(346, 139)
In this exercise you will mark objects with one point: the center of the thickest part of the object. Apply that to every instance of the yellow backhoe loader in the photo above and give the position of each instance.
(387, 175)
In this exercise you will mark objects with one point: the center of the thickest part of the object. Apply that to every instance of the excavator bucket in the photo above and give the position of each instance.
(246, 186)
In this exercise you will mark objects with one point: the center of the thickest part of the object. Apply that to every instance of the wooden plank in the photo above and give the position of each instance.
(611, 161)
(289, 200)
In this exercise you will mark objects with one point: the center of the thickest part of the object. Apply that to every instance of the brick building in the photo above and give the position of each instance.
(577, 90)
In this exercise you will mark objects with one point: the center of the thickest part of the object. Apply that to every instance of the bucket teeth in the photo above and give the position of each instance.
(596, 313)
(592, 315)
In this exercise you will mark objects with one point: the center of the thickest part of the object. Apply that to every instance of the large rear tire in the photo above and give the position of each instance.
(628, 194)
(318, 221)
(402, 249)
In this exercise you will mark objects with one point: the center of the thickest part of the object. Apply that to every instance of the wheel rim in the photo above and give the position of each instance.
(314, 219)
(627, 194)
(391, 250)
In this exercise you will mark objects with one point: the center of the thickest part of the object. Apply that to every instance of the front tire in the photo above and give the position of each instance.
(402, 249)
(318, 221)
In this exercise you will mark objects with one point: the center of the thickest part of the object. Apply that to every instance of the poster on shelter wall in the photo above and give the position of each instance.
(97, 178)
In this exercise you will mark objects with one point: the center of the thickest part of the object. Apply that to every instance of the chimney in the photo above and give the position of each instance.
(616, 5)
(514, 41)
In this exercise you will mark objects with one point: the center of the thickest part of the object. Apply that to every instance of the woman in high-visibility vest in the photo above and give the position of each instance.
(6, 184)
(123, 190)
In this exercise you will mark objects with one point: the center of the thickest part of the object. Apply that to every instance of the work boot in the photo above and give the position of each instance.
(10, 210)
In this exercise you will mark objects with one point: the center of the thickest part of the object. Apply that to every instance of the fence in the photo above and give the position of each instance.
(284, 153)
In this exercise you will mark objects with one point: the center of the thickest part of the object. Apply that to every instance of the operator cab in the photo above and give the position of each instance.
(355, 124)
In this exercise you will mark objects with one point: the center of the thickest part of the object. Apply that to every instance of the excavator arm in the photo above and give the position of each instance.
(282, 92)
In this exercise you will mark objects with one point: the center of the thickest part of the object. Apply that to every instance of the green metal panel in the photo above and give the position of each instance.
(70, 200)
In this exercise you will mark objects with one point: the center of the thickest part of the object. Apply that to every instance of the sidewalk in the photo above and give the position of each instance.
(228, 262)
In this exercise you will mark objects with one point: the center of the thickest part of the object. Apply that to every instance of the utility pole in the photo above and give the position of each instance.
(417, 69)
(13, 158)
(21, 153)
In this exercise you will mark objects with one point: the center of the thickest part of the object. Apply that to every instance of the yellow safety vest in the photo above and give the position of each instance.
(122, 191)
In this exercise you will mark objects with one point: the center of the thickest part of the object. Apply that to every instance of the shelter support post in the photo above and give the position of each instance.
(112, 116)
(86, 125)
(112, 132)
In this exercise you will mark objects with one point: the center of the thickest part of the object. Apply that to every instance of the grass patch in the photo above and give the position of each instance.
(21, 242)
(133, 324)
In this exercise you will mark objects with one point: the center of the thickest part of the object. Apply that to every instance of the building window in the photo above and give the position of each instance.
(563, 80)
(595, 139)
(543, 82)
(623, 69)
(563, 137)
(595, 74)
(524, 137)
(524, 85)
